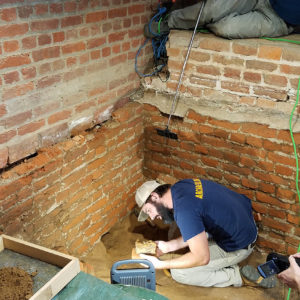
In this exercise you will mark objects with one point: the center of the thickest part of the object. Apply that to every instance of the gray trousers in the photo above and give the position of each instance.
(221, 271)
(232, 19)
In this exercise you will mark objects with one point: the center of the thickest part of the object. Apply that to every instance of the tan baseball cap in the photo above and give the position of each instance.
(142, 194)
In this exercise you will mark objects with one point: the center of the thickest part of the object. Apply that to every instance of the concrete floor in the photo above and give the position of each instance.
(118, 243)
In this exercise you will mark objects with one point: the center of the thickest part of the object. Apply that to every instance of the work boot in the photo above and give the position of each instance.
(156, 29)
(251, 277)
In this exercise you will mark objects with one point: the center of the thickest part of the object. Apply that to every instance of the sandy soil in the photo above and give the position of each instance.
(15, 284)
(118, 243)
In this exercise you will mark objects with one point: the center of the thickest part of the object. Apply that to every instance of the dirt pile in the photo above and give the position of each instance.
(15, 284)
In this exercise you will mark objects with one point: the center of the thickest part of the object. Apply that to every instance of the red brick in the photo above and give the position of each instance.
(29, 42)
(291, 54)
(260, 65)
(44, 39)
(232, 73)
(46, 53)
(252, 77)
(214, 44)
(293, 219)
(226, 60)
(3, 110)
(118, 36)
(28, 73)
(23, 149)
(224, 124)
(253, 141)
(48, 81)
(134, 33)
(270, 52)
(118, 60)
(237, 137)
(248, 162)
(10, 46)
(276, 80)
(63, 115)
(17, 91)
(14, 61)
(283, 170)
(265, 198)
(58, 37)
(284, 227)
(41, 9)
(244, 49)
(71, 21)
(11, 77)
(44, 68)
(34, 126)
(249, 183)
(56, 8)
(267, 188)
(74, 47)
(70, 6)
(196, 117)
(44, 25)
(96, 16)
(97, 42)
(25, 11)
(117, 13)
(136, 9)
(269, 92)
(259, 130)
(13, 30)
(266, 166)
(3, 158)
(276, 158)
(8, 14)
(235, 87)
(210, 70)
(6, 136)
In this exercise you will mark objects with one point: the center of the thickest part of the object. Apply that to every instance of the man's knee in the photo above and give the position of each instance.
(179, 276)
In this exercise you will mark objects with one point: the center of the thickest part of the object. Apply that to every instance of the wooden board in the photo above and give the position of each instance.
(69, 264)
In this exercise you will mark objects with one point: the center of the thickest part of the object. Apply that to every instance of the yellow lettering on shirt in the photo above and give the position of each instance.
(198, 188)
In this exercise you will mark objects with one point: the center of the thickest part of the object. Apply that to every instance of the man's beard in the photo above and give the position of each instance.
(166, 214)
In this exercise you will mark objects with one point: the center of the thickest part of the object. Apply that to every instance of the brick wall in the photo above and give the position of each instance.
(247, 157)
(63, 67)
(70, 194)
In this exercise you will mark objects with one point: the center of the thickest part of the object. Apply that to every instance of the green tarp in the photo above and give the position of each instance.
(87, 287)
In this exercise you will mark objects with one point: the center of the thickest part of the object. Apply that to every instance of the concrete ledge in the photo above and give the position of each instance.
(252, 80)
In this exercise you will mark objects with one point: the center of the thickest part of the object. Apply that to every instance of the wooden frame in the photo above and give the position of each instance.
(69, 264)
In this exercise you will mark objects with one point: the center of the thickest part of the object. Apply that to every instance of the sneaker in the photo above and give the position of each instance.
(251, 277)
(156, 29)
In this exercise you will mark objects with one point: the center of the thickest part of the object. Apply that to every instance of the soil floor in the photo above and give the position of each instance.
(119, 242)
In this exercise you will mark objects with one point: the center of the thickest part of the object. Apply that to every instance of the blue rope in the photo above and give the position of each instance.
(158, 45)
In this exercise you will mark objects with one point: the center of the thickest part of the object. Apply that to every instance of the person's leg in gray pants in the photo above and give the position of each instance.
(232, 18)
(213, 11)
(221, 271)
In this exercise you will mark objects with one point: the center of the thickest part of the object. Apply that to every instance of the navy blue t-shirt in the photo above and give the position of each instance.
(288, 10)
(203, 205)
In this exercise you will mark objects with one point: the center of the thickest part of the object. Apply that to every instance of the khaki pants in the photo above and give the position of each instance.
(232, 19)
(221, 271)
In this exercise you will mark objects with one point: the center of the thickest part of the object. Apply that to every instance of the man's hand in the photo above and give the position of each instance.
(291, 276)
(162, 248)
(158, 264)
(170, 246)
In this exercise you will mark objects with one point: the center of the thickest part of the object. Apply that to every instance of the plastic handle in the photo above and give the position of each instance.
(133, 261)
